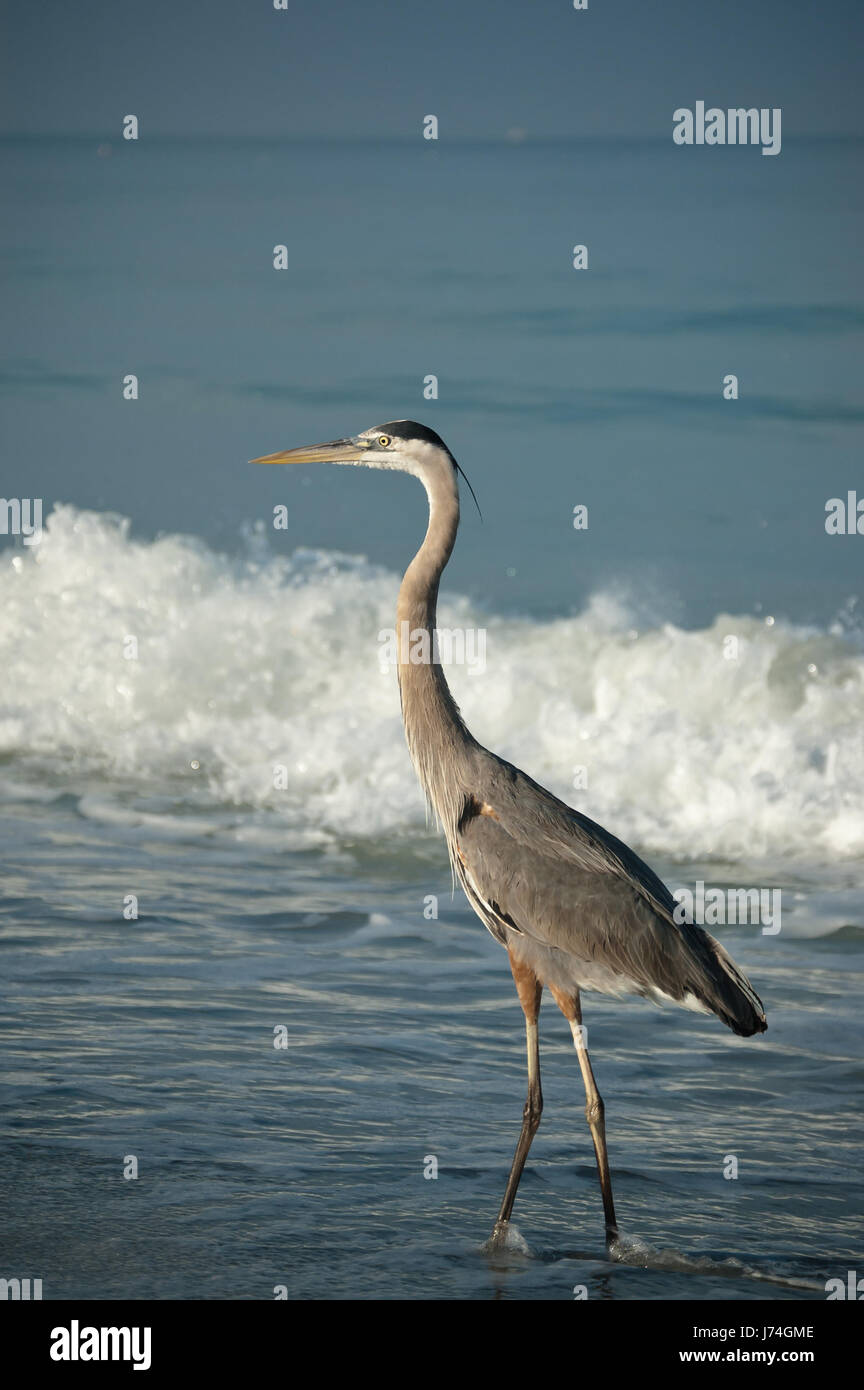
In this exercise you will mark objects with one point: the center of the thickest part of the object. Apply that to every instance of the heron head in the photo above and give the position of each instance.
(400, 444)
(403, 445)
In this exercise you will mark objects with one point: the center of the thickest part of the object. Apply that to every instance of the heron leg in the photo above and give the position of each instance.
(595, 1111)
(529, 989)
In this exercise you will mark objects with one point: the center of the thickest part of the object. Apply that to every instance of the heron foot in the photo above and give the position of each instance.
(506, 1238)
(498, 1239)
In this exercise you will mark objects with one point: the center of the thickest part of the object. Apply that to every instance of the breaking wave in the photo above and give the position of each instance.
(248, 664)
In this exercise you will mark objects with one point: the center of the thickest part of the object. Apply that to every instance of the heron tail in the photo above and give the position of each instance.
(727, 992)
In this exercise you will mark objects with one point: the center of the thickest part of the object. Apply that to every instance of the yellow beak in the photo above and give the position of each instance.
(337, 451)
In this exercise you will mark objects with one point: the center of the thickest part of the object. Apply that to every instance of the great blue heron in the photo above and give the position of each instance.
(574, 907)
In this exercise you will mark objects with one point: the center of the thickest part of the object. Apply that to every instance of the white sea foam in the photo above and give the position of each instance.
(248, 664)
(632, 1250)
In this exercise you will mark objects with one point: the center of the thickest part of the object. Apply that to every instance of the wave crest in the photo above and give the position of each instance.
(245, 666)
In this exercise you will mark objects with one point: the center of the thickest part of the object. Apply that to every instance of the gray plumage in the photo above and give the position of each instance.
(574, 906)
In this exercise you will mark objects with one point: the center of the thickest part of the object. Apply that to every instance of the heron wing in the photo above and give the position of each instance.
(532, 864)
(536, 819)
(563, 902)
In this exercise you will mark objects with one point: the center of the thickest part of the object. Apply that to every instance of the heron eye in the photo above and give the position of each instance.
(384, 440)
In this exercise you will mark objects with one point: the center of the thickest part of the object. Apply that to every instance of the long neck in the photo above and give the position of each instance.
(437, 738)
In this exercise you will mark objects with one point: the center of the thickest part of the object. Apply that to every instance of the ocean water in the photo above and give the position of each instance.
(301, 914)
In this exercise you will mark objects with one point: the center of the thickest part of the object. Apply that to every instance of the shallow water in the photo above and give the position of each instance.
(303, 1165)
